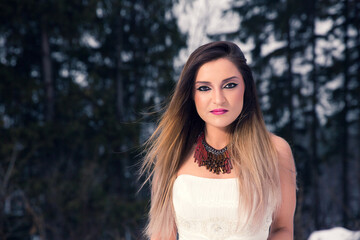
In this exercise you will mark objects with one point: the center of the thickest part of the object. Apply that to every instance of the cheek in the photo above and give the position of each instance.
(199, 101)
(237, 94)
(238, 98)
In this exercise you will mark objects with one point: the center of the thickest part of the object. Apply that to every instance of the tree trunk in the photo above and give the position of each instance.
(289, 75)
(314, 120)
(47, 74)
(119, 77)
(357, 26)
(344, 123)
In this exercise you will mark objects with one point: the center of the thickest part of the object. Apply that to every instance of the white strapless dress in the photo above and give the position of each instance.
(207, 209)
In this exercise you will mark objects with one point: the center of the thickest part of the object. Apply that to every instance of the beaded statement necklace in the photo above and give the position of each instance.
(216, 161)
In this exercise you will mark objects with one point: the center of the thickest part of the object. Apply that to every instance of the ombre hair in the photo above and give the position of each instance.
(252, 153)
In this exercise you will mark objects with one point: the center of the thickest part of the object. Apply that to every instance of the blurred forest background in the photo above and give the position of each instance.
(77, 76)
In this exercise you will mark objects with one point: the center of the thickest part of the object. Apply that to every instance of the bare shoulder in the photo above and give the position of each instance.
(283, 149)
(282, 225)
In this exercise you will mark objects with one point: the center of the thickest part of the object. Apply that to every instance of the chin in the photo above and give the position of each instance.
(220, 125)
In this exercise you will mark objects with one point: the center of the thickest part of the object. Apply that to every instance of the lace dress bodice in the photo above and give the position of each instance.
(207, 209)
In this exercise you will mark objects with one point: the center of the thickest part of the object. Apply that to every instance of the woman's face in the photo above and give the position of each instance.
(219, 93)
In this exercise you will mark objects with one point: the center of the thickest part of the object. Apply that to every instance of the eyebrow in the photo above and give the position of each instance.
(225, 80)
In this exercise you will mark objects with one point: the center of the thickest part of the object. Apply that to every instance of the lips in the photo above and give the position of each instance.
(219, 111)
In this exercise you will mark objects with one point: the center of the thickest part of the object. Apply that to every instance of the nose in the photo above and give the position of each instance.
(218, 97)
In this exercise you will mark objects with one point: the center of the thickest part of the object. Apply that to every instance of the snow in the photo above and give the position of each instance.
(337, 233)
(89, 40)
(322, 27)
(271, 45)
(200, 18)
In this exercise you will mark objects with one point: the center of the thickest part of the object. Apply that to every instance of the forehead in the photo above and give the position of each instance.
(217, 70)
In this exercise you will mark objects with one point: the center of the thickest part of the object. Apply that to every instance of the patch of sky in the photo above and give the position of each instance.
(284, 119)
(335, 9)
(58, 56)
(168, 15)
(148, 93)
(80, 78)
(199, 19)
(323, 52)
(108, 62)
(2, 51)
(168, 41)
(271, 45)
(95, 58)
(34, 73)
(7, 121)
(126, 56)
(90, 41)
(322, 27)
(126, 27)
(278, 65)
(88, 109)
(64, 72)
(326, 106)
(99, 12)
(35, 97)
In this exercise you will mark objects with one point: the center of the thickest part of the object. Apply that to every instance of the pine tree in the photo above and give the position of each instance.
(291, 92)
(75, 76)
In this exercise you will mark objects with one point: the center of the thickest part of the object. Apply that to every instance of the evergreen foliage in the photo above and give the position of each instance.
(75, 76)
(305, 68)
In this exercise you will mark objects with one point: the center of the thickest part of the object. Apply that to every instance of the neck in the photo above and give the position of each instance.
(218, 138)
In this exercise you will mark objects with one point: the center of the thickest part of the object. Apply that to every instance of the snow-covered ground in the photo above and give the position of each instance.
(337, 233)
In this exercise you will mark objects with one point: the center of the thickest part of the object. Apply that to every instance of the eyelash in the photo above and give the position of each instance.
(232, 85)
(201, 88)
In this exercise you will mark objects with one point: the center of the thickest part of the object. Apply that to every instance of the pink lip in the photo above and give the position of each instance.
(219, 111)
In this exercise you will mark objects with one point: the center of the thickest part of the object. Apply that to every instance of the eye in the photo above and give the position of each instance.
(203, 88)
(230, 85)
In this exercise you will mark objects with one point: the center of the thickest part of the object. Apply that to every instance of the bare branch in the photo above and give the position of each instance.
(17, 147)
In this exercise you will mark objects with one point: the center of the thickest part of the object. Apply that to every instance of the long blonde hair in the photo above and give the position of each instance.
(251, 150)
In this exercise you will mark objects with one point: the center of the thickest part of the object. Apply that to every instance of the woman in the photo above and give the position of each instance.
(215, 170)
